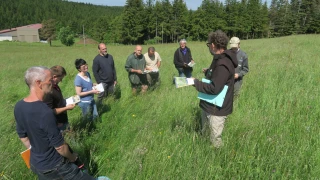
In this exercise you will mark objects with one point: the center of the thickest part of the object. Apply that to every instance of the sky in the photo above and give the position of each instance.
(191, 4)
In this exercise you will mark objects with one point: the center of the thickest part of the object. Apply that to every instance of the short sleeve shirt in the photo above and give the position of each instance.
(86, 85)
(37, 121)
(151, 62)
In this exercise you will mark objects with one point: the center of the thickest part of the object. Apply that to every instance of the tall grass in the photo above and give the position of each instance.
(273, 132)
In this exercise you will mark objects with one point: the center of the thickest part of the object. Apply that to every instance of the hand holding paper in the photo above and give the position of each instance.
(183, 81)
(98, 87)
(73, 100)
(191, 64)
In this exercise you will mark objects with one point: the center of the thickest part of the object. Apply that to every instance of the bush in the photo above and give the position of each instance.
(66, 36)
(153, 41)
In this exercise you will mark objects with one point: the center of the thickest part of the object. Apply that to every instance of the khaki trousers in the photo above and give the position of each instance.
(216, 125)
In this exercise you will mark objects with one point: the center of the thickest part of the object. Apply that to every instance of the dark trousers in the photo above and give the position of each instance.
(108, 90)
(185, 72)
(63, 171)
(153, 78)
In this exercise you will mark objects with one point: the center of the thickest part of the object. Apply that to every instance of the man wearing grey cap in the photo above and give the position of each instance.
(243, 67)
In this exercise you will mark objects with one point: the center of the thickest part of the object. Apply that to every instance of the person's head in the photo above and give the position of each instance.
(217, 42)
(151, 51)
(138, 50)
(102, 49)
(81, 65)
(234, 43)
(39, 78)
(58, 73)
(183, 43)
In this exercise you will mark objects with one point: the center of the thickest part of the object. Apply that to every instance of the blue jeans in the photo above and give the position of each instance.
(62, 171)
(185, 72)
(89, 109)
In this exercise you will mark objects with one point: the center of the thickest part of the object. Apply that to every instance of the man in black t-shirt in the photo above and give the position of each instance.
(36, 127)
(55, 99)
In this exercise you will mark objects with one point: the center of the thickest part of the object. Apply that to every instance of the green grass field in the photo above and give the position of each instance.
(273, 132)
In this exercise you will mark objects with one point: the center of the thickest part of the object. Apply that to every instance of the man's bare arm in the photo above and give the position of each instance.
(64, 151)
(25, 142)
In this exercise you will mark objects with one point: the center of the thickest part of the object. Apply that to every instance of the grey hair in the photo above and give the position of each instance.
(35, 73)
(182, 41)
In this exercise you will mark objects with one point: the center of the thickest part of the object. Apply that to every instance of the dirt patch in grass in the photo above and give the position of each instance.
(88, 41)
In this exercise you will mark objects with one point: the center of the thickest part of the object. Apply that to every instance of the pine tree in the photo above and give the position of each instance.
(179, 20)
(132, 22)
(150, 20)
(232, 17)
(166, 12)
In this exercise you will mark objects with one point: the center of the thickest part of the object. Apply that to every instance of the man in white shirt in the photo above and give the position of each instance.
(153, 62)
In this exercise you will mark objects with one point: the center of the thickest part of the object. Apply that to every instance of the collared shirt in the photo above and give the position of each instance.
(137, 63)
(151, 62)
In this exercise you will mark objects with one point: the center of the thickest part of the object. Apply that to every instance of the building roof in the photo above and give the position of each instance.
(34, 26)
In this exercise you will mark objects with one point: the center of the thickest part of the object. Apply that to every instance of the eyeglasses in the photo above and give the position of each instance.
(208, 44)
(83, 65)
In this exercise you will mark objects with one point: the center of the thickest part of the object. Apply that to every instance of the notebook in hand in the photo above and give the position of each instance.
(98, 87)
(191, 64)
(216, 99)
(183, 81)
(73, 99)
(26, 156)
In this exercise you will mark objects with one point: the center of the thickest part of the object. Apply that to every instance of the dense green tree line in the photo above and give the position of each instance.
(152, 21)
(168, 21)
(15, 13)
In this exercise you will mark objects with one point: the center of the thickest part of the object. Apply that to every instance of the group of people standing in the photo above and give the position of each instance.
(42, 115)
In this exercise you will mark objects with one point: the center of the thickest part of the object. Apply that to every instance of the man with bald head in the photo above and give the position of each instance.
(104, 71)
(136, 65)
(36, 126)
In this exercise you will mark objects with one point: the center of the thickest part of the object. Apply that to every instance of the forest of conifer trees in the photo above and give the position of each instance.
(166, 21)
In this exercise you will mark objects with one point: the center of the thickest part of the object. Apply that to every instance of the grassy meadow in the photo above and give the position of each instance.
(273, 132)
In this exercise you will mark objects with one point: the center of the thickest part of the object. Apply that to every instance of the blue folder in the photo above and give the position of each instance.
(213, 99)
